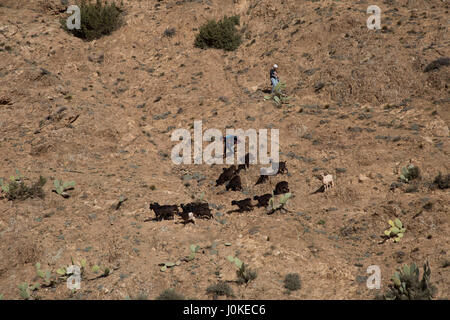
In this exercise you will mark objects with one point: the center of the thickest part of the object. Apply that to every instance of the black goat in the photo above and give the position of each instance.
(165, 212)
(262, 179)
(244, 205)
(281, 187)
(226, 175)
(282, 168)
(234, 184)
(246, 163)
(263, 201)
(200, 210)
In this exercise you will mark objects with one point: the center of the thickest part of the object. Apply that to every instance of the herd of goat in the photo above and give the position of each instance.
(231, 177)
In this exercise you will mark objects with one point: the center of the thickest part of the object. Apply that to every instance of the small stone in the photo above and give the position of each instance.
(362, 178)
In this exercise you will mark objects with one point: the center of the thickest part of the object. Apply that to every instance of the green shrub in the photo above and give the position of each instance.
(409, 173)
(24, 291)
(170, 294)
(220, 289)
(17, 190)
(245, 274)
(97, 19)
(407, 286)
(220, 35)
(292, 282)
(279, 98)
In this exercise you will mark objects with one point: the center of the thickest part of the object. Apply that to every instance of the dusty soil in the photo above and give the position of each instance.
(101, 114)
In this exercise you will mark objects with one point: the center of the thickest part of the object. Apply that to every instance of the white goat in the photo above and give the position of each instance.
(327, 181)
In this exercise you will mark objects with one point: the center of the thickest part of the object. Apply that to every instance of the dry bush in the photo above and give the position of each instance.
(344, 194)
(27, 251)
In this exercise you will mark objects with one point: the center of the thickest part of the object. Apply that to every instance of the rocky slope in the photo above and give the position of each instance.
(101, 114)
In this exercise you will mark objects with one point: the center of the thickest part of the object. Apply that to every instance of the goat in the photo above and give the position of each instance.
(246, 163)
(244, 205)
(262, 179)
(199, 210)
(263, 201)
(282, 168)
(327, 181)
(165, 212)
(187, 217)
(226, 175)
(234, 184)
(281, 188)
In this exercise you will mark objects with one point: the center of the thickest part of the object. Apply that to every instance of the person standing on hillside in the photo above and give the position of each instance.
(274, 77)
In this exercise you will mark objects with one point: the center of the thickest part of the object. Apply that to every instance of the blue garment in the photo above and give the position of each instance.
(274, 83)
(230, 141)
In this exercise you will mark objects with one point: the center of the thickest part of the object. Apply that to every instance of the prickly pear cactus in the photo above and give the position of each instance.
(60, 187)
(409, 173)
(408, 286)
(396, 230)
(272, 207)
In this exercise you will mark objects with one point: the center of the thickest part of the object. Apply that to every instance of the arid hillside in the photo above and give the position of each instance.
(364, 104)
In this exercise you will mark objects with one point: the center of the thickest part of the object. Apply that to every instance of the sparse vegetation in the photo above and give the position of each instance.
(220, 289)
(409, 173)
(15, 188)
(60, 187)
(245, 274)
(99, 271)
(441, 181)
(407, 286)
(170, 294)
(97, 19)
(292, 282)
(104, 271)
(279, 98)
(396, 230)
(236, 261)
(169, 264)
(24, 291)
(170, 32)
(272, 207)
(219, 35)
(193, 248)
(45, 276)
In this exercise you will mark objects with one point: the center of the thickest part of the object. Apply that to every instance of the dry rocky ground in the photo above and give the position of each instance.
(101, 113)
